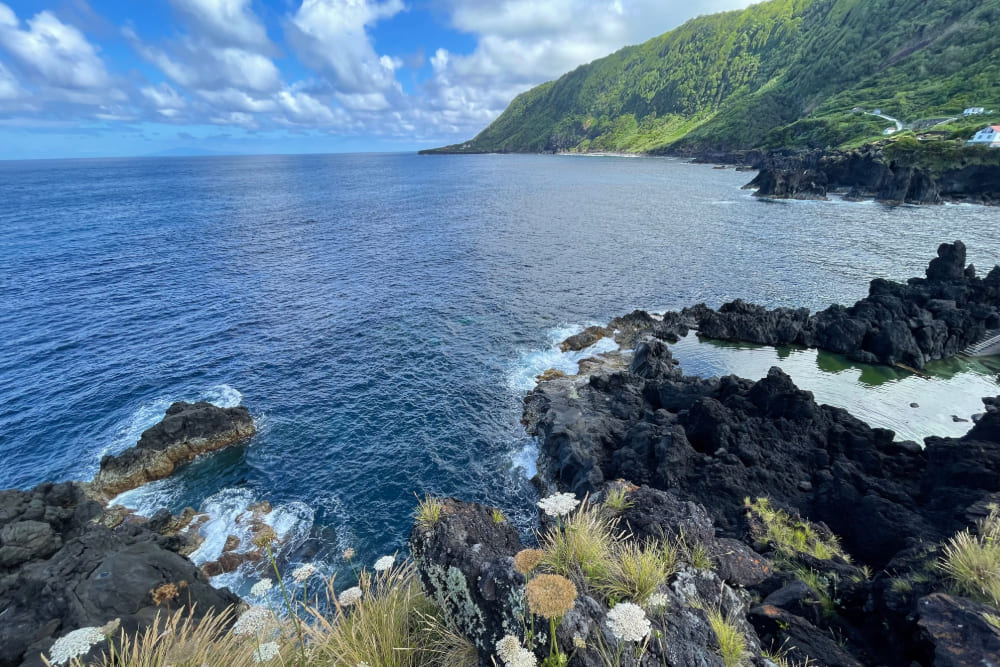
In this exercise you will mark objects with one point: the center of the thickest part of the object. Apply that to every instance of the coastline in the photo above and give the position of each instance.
(641, 373)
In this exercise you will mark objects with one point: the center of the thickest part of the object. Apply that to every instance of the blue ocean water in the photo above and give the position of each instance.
(382, 315)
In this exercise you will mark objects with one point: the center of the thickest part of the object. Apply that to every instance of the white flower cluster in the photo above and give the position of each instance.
(303, 572)
(558, 504)
(509, 650)
(349, 596)
(628, 622)
(657, 602)
(253, 621)
(384, 563)
(266, 652)
(73, 644)
(261, 588)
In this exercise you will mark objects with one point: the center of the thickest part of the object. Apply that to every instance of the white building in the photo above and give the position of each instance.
(989, 136)
(974, 111)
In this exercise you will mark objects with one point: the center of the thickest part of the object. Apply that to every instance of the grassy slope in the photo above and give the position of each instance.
(781, 73)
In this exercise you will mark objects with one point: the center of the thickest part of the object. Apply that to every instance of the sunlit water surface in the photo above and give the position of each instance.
(382, 316)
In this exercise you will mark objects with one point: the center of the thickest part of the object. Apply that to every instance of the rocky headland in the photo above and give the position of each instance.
(805, 534)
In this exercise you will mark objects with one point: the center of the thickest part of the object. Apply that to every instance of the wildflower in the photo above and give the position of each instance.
(558, 504)
(261, 588)
(303, 572)
(578, 643)
(349, 596)
(164, 593)
(349, 553)
(78, 642)
(628, 622)
(510, 651)
(252, 621)
(523, 658)
(264, 537)
(526, 560)
(550, 595)
(657, 602)
(384, 563)
(266, 652)
(508, 647)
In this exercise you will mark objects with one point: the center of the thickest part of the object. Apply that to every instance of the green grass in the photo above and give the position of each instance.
(790, 535)
(428, 512)
(635, 571)
(972, 561)
(582, 548)
(617, 501)
(732, 642)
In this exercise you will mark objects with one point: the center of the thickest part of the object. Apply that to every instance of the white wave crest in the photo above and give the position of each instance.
(535, 362)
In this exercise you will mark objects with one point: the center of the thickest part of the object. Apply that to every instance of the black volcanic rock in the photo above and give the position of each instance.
(187, 430)
(903, 324)
(867, 173)
(716, 442)
(62, 569)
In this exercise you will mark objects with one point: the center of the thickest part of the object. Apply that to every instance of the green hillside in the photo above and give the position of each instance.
(784, 73)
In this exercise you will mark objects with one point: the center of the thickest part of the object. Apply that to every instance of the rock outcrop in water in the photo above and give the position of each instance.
(62, 568)
(187, 430)
(910, 324)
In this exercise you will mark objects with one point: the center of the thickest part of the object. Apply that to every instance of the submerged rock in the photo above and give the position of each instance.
(187, 430)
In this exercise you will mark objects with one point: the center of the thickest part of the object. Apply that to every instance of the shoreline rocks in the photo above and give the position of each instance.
(870, 173)
(908, 325)
(68, 562)
(61, 569)
(717, 442)
(187, 430)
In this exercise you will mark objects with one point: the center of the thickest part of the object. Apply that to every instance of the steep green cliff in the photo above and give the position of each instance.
(783, 73)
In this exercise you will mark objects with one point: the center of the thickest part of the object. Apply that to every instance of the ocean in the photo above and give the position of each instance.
(383, 315)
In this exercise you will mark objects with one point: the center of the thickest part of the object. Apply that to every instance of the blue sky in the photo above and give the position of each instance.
(93, 78)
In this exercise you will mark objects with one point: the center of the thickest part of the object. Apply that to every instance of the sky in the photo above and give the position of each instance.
(104, 78)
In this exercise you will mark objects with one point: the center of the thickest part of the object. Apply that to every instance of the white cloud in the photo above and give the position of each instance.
(228, 22)
(304, 109)
(10, 89)
(163, 97)
(232, 99)
(56, 54)
(203, 67)
(330, 36)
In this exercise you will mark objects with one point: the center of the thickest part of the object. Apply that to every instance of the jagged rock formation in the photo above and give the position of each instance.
(187, 430)
(867, 172)
(928, 318)
(61, 569)
(716, 441)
